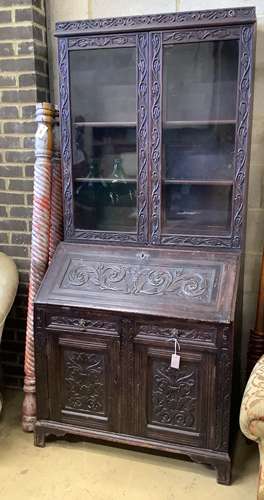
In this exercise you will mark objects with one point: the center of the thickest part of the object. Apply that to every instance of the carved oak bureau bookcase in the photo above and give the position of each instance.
(137, 319)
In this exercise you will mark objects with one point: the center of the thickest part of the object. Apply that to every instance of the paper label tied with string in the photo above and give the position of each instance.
(175, 357)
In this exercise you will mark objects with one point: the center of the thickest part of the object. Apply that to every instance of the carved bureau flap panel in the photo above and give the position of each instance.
(199, 286)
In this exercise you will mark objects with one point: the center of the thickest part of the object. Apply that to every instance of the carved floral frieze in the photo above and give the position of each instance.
(183, 281)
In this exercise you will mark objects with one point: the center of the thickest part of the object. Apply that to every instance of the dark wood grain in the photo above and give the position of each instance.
(112, 303)
(158, 21)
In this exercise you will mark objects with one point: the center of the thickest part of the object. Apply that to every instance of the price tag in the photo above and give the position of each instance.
(176, 358)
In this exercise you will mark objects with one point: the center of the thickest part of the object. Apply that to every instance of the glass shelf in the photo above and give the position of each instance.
(216, 182)
(101, 179)
(199, 152)
(198, 207)
(105, 124)
(192, 123)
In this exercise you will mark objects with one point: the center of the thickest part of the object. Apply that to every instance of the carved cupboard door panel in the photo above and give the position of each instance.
(175, 405)
(84, 379)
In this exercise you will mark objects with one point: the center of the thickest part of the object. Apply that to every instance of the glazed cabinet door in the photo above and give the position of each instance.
(175, 405)
(200, 84)
(83, 378)
(104, 102)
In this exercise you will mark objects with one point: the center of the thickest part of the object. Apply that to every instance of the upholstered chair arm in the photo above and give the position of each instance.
(8, 286)
(252, 407)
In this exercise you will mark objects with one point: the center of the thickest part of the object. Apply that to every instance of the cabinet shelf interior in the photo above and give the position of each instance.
(105, 124)
(217, 182)
(191, 123)
(101, 179)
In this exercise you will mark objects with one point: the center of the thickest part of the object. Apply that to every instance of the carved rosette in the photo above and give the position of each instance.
(155, 158)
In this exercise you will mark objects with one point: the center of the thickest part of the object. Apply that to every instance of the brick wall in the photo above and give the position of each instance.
(23, 82)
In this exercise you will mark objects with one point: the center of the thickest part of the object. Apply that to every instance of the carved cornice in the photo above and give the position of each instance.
(158, 21)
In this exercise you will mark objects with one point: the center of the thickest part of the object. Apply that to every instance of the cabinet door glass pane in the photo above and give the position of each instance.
(103, 107)
(199, 118)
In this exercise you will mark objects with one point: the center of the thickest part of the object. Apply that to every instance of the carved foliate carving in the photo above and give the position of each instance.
(197, 241)
(226, 336)
(242, 134)
(203, 17)
(80, 323)
(142, 104)
(207, 336)
(245, 34)
(155, 140)
(65, 136)
(84, 376)
(224, 389)
(226, 402)
(183, 281)
(102, 41)
(105, 236)
(174, 395)
(200, 35)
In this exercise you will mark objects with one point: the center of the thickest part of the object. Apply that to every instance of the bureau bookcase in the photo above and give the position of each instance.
(155, 134)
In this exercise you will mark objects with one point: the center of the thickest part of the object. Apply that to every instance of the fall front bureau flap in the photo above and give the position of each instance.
(170, 283)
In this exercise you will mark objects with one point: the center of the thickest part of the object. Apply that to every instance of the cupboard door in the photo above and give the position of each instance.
(174, 405)
(108, 105)
(195, 152)
(84, 379)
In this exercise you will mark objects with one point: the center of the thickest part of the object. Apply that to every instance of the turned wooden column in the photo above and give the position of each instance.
(39, 249)
(256, 339)
(56, 217)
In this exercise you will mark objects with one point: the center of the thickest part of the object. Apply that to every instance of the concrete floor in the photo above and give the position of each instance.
(85, 471)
